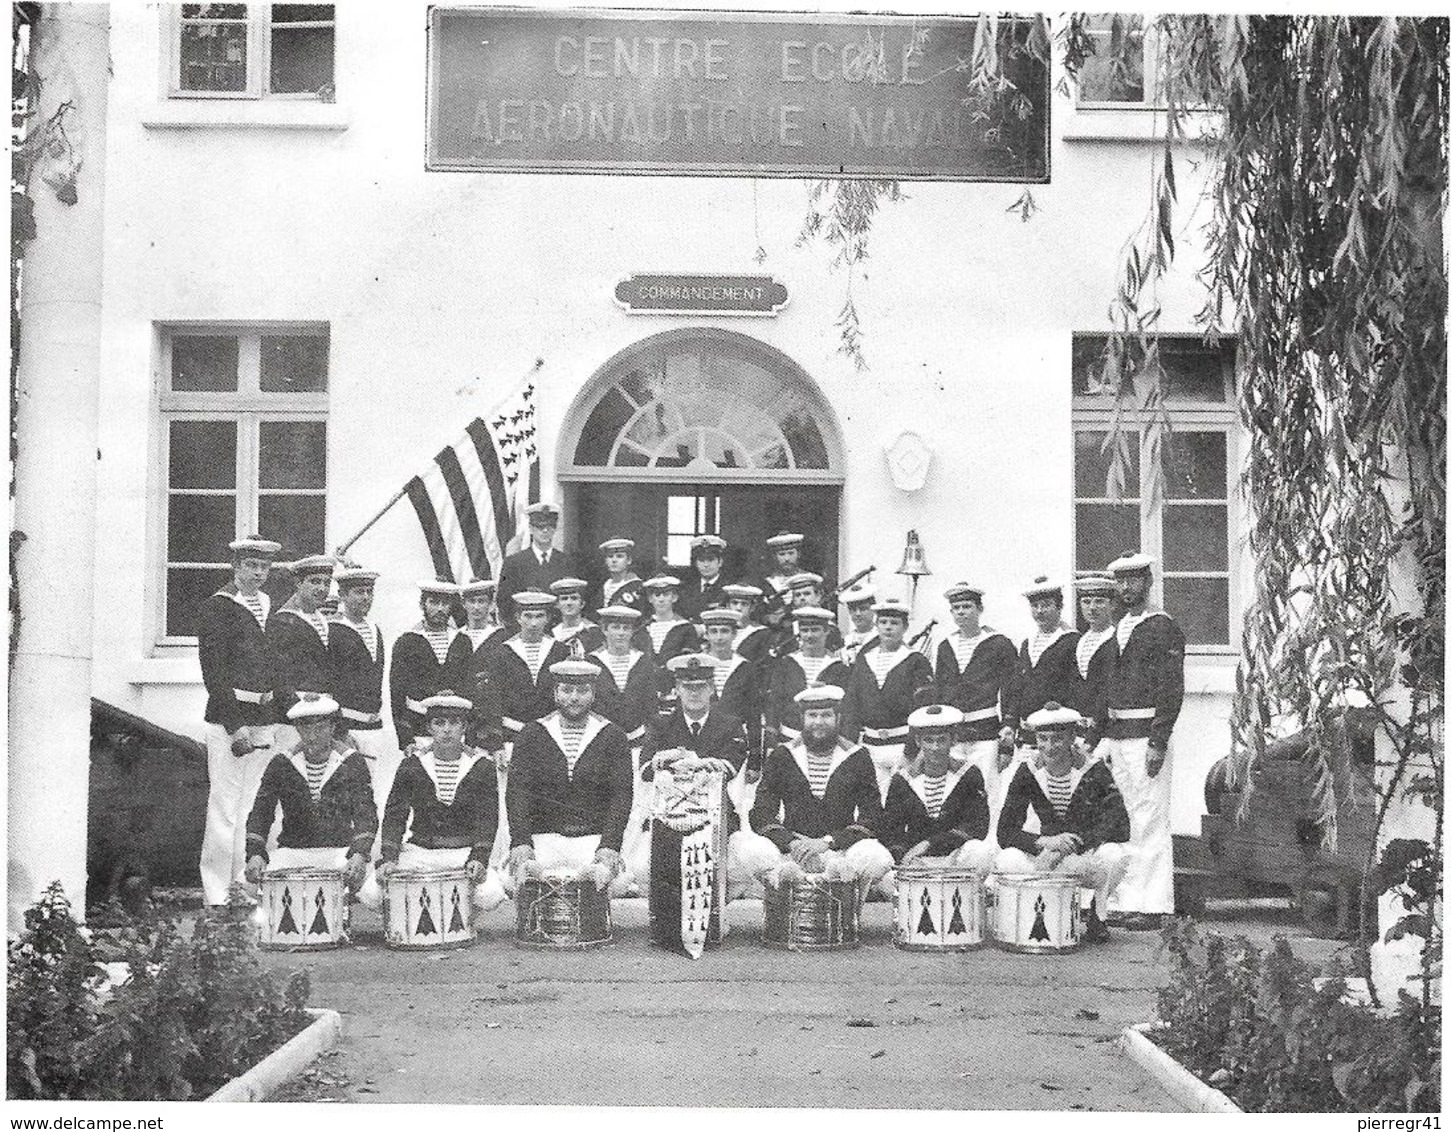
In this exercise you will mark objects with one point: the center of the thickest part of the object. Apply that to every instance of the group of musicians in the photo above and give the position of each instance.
(531, 716)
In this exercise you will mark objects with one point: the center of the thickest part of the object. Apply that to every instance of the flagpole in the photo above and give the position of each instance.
(402, 491)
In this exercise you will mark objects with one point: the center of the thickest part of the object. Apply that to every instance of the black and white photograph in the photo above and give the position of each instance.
(701, 564)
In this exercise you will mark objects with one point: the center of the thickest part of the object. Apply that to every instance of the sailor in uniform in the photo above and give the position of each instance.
(237, 670)
(569, 794)
(883, 690)
(801, 668)
(703, 588)
(738, 690)
(817, 798)
(421, 665)
(1144, 696)
(699, 726)
(298, 634)
(573, 630)
(808, 588)
(471, 658)
(786, 551)
(537, 565)
(443, 808)
(974, 674)
(858, 600)
(329, 819)
(1046, 666)
(1096, 652)
(666, 633)
(621, 586)
(753, 640)
(938, 806)
(1062, 815)
(355, 645)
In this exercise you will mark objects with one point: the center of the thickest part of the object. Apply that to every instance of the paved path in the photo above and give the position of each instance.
(633, 1025)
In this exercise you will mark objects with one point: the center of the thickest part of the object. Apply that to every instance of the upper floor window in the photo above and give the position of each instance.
(244, 448)
(1121, 71)
(1190, 525)
(252, 51)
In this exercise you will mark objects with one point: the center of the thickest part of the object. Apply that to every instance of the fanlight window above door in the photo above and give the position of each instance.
(705, 405)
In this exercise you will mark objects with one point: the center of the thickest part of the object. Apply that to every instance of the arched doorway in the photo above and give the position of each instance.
(702, 430)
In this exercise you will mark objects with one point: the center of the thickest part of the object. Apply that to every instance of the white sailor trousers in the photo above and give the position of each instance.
(1101, 868)
(232, 783)
(1148, 883)
(750, 856)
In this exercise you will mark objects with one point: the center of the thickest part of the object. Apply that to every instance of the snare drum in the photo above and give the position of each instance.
(814, 914)
(562, 912)
(1035, 912)
(428, 909)
(303, 909)
(939, 906)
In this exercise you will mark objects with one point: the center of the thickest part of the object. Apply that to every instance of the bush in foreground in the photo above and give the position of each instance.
(1259, 1026)
(143, 1012)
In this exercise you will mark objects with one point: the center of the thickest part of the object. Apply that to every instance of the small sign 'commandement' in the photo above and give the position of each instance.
(758, 295)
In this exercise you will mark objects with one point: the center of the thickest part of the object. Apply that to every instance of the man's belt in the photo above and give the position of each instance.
(980, 715)
(361, 716)
(1132, 713)
(883, 736)
(246, 697)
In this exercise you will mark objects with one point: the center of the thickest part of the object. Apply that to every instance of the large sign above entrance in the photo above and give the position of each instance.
(730, 93)
(701, 294)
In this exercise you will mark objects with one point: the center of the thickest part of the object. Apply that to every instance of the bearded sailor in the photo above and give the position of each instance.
(974, 674)
(753, 640)
(785, 549)
(237, 668)
(803, 667)
(443, 809)
(573, 630)
(569, 794)
(325, 797)
(1063, 816)
(861, 618)
(298, 633)
(1096, 652)
(817, 799)
(938, 807)
(1144, 696)
(883, 690)
(355, 646)
(1047, 665)
(421, 665)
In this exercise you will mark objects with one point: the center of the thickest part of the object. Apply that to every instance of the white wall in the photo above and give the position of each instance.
(435, 282)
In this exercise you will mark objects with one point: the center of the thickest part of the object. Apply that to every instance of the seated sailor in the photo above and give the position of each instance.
(325, 795)
(697, 730)
(445, 798)
(570, 786)
(817, 804)
(1065, 818)
(937, 806)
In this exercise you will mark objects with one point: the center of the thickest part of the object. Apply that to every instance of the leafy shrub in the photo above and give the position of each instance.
(193, 1013)
(1255, 1025)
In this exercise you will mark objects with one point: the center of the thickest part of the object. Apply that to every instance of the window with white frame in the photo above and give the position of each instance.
(1190, 526)
(244, 450)
(252, 51)
(1121, 72)
(687, 517)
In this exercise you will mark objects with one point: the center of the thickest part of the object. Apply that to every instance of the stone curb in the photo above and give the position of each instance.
(285, 1062)
(1172, 1077)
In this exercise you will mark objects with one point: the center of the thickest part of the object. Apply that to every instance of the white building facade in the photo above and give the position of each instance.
(298, 313)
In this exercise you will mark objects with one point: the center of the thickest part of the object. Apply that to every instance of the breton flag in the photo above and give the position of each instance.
(471, 499)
